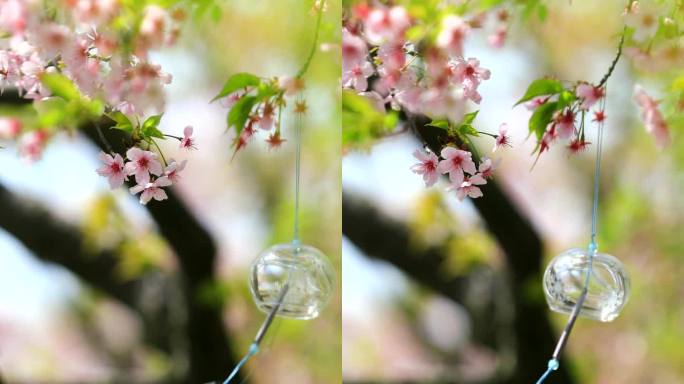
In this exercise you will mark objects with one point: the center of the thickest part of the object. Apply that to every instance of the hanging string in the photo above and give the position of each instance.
(298, 166)
(554, 362)
(254, 346)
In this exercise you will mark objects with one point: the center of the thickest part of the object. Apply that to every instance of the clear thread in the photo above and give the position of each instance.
(298, 166)
(554, 362)
(254, 347)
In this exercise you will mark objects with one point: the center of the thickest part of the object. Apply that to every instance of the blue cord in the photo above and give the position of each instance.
(552, 366)
(253, 349)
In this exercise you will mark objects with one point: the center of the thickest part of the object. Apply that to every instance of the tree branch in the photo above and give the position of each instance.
(388, 240)
(53, 241)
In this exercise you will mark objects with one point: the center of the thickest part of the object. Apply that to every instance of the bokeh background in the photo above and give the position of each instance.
(398, 327)
(56, 328)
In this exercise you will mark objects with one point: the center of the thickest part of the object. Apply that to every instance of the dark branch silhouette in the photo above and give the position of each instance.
(52, 240)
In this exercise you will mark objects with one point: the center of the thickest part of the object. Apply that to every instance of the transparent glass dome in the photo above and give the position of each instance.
(608, 286)
(310, 275)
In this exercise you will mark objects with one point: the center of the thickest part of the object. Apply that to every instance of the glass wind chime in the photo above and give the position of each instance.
(292, 279)
(585, 282)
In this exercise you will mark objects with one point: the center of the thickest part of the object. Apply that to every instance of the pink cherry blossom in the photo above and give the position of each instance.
(386, 25)
(152, 190)
(356, 76)
(96, 11)
(153, 26)
(502, 139)
(354, 50)
(589, 95)
(469, 187)
(230, 100)
(172, 172)
(498, 38)
(188, 142)
(455, 163)
(266, 119)
(453, 33)
(51, 39)
(10, 127)
(653, 120)
(536, 102)
(113, 169)
(427, 167)
(565, 124)
(13, 17)
(470, 75)
(141, 164)
(487, 167)
(31, 145)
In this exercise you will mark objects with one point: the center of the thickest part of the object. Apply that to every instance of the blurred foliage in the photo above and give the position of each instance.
(140, 250)
(469, 247)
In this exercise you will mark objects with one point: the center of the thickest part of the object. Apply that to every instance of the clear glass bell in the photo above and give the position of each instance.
(608, 285)
(310, 275)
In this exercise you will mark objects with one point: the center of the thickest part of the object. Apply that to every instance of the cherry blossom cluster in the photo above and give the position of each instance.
(104, 59)
(150, 175)
(568, 123)
(256, 106)
(464, 176)
(87, 49)
(429, 75)
(437, 82)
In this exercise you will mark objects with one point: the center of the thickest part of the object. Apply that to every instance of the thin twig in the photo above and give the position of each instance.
(305, 67)
(615, 60)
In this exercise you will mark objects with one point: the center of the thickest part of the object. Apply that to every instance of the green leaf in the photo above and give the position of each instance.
(362, 122)
(566, 98)
(442, 124)
(541, 118)
(122, 121)
(239, 113)
(52, 112)
(468, 118)
(467, 130)
(60, 86)
(541, 87)
(149, 127)
(237, 82)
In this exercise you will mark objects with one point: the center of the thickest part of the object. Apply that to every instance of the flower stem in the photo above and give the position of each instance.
(160, 152)
(305, 67)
